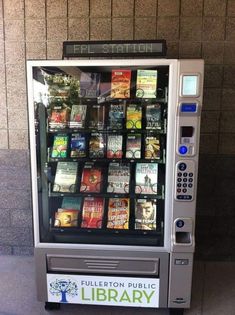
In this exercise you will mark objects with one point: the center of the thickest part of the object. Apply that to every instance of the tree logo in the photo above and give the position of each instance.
(63, 288)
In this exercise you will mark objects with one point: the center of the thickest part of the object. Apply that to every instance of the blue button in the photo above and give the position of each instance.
(180, 223)
(183, 149)
(188, 107)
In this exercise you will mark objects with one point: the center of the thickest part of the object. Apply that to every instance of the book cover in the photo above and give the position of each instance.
(91, 178)
(146, 177)
(60, 146)
(146, 83)
(78, 116)
(96, 117)
(96, 146)
(71, 203)
(92, 212)
(153, 116)
(66, 218)
(89, 84)
(59, 116)
(114, 147)
(133, 146)
(118, 213)
(145, 214)
(152, 147)
(78, 145)
(118, 178)
(65, 177)
(116, 116)
(134, 116)
(120, 83)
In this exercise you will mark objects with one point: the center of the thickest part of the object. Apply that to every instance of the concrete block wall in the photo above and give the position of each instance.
(35, 29)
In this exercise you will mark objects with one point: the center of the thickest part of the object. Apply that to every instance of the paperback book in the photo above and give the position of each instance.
(134, 116)
(92, 212)
(60, 146)
(96, 117)
(89, 84)
(66, 218)
(59, 116)
(120, 84)
(146, 83)
(71, 203)
(146, 178)
(114, 147)
(96, 146)
(77, 145)
(145, 214)
(152, 147)
(118, 213)
(91, 178)
(116, 116)
(65, 177)
(78, 116)
(118, 178)
(153, 116)
(133, 146)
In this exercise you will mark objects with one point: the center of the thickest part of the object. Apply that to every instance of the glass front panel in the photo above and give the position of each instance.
(101, 147)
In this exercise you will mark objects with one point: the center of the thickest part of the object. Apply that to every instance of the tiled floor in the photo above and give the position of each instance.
(213, 291)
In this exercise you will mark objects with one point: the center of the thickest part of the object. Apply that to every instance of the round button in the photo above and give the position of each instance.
(184, 179)
(190, 174)
(179, 180)
(184, 190)
(179, 174)
(190, 185)
(178, 190)
(182, 166)
(184, 185)
(183, 149)
(185, 174)
(179, 223)
(190, 180)
(179, 185)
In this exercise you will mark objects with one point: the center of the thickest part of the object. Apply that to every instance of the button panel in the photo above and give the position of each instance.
(185, 173)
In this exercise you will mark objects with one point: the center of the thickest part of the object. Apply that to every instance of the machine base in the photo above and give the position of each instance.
(49, 306)
(176, 311)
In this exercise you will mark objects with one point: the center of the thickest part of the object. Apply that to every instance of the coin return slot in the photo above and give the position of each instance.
(183, 237)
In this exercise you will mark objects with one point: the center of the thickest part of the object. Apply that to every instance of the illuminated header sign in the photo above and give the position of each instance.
(155, 48)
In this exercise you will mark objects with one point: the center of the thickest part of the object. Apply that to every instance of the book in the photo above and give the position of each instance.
(77, 145)
(114, 147)
(96, 117)
(145, 214)
(60, 146)
(133, 146)
(116, 116)
(71, 203)
(118, 213)
(89, 84)
(65, 177)
(59, 116)
(118, 178)
(66, 218)
(152, 147)
(92, 212)
(146, 83)
(91, 178)
(133, 116)
(120, 83)
(153, 116)
(96, 146)
(146, 176)
(78, 116)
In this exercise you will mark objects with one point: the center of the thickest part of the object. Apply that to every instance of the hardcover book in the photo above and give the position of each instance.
(78, 116)
(121, 82)
(153, 116)
(71, 203)
(118, 178)
(66, 218)
(89, 84)
(60, 146)
(146, 178)
(96, 146)
(133, 116)
(92, 212)
(133, 146)
(114, 147)
(59, 116)
(96, 117)
(78, 145)
(116, 116)
(145, 214)
(118, 213)
(91, 178)
(152, 147)
(65, 177)
(146, 83)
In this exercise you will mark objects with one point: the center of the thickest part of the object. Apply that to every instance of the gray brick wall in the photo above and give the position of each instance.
(35, 29)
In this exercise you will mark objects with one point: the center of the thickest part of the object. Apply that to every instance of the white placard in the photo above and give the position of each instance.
(117, 291)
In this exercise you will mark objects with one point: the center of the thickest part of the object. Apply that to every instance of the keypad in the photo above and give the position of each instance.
(185, 175)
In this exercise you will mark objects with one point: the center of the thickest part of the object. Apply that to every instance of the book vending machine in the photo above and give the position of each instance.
(114, 158)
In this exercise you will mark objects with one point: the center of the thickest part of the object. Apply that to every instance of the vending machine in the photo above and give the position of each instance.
(114, 158)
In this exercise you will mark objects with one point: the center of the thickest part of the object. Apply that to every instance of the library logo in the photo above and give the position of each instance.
(62, 290)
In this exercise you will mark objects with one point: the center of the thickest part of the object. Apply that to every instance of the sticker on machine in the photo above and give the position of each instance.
(99, 290)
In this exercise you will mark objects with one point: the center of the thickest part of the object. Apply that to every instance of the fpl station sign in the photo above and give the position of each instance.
(101, 290)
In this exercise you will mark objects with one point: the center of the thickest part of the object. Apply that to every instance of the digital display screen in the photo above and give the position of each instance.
(190, 85)
(186, 132)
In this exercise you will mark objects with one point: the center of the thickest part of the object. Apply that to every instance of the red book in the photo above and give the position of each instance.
(92, 213)
(91, 178)
(121, 82)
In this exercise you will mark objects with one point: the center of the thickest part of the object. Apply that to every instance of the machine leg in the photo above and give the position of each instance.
(176, 311)
(49, 306)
